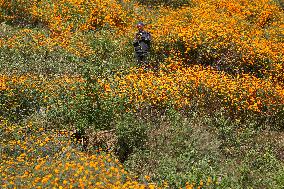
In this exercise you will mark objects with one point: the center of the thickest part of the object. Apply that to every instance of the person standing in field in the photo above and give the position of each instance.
(142, 46)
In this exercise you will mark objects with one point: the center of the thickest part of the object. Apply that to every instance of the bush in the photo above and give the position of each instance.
(132, 136)
(18, 102)
(279, 178)
(25, 60)
(113, 52)
(88, 105)
(210, 149)
(177, 152)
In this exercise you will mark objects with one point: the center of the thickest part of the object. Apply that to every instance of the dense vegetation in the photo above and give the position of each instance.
(76, 111)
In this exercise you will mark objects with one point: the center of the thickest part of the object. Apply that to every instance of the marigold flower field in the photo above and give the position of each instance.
(40, 159)
(218, 54)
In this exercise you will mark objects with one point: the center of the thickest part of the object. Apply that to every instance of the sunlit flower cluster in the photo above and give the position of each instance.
(235, 33)
(248, 33)
(66, 15)
(178, 87)
(40, 158)
(65, 21)
(37, 157)
(183, 85)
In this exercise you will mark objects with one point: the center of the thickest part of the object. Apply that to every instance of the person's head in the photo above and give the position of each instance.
(140, 26)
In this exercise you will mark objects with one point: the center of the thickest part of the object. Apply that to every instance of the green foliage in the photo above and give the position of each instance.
(25, 60)
(19, 102)
(111, 53)
(16, 9)
(199, 147)
(88, 105)
(280, 3)
(277, 120)
(132, 136)
(173, 154)
(279, 178)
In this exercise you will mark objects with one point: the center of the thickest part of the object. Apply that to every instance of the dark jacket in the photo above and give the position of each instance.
(142, 42)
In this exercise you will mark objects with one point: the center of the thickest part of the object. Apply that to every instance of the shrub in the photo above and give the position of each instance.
(177, 152)
(18, 102)
(210, 149)
(88, 105)
(132, 136)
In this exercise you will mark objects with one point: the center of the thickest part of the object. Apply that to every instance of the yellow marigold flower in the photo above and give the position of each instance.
(37, 167)
(209, 180)
(151, 186)
(147, 177)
